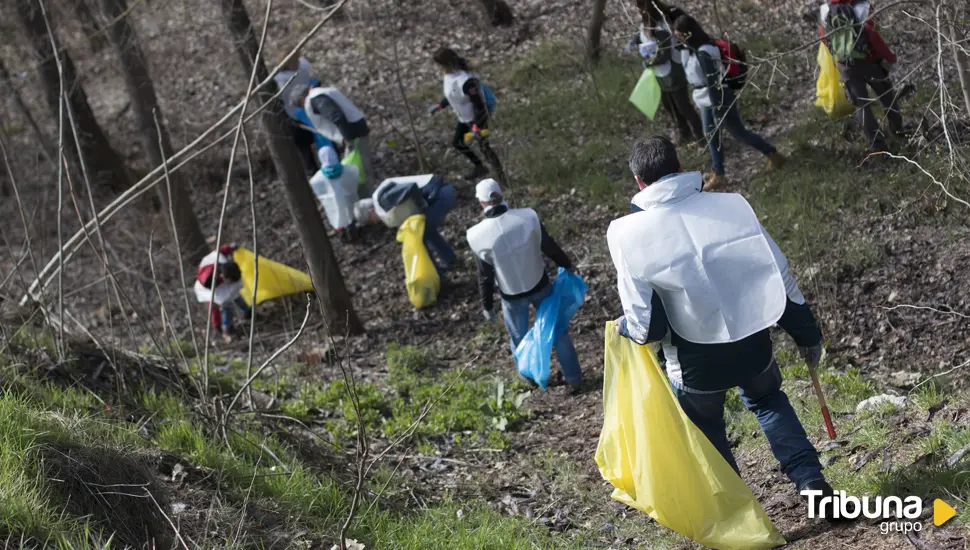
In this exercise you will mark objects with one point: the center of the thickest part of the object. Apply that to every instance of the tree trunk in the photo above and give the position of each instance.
(89, 25)
(595, 31)
(104, 166)
(45, 145)
(962, 63)
(324, 271)
(155, 142)
(498, 12)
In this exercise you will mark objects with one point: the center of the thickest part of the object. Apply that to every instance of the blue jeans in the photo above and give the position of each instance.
(730, 118)
(516, 315)
(440, 251)
(226, 310)
(762, 395)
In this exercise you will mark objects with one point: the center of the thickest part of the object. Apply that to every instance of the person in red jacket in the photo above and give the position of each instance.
(864, 62)
(218, 280)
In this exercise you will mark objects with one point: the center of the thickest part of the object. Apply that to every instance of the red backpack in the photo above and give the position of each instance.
(736, 63)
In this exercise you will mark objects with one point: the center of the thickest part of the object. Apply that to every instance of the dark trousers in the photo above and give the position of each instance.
(678, 105)
(858, 79)
(458, 142)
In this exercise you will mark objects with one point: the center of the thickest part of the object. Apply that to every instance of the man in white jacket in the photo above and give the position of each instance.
(697, 272)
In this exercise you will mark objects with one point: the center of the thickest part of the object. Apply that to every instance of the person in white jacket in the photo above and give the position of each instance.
(340, 121)
(697, 272)
(218, 280)
(335, 186)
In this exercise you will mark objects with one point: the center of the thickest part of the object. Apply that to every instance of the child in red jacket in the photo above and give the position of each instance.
(218, 280)
(864, 62)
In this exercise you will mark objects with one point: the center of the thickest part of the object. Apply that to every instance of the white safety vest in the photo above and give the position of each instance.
(338, 196)
(663, 69)
(223, 293)
(512, 244)
(696, 75)
(705, 255)
(454, 92)
(323, 124)
(407, 208)
(299, 83)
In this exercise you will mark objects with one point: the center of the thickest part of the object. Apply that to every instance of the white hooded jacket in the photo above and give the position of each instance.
(719, 275)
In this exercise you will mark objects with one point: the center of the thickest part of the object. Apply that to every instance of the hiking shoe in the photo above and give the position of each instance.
(714, 181)
(575, 389)
(478, 171)
(829, 509)
(776, 160)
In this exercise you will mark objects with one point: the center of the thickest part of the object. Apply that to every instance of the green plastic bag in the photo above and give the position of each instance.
(646, 94)
(353, 158)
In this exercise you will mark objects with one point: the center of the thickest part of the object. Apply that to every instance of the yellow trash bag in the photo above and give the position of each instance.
(275, 279)
(663, 465)
(829, 91)
(420, 275)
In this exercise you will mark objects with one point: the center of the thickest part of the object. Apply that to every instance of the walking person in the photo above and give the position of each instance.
(712, 313)
(656, 44)
(468, 98)
(716, 101)
(864, 61)
(508, 246)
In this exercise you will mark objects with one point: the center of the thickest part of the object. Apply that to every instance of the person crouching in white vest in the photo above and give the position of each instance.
(218, 280)
(335, 186)
(508, 246)
(340, 121)
(397, 199)
(697, 272)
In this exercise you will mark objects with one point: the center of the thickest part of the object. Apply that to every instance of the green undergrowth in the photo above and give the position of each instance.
(886, 450)
(250, 465)
(466, 406)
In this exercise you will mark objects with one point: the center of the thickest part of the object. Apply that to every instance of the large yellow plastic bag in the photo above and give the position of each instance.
(663, 465)
(646, 94)
(353, 158)
(533, 355)
(829, 90)
(275, 279)
(420, 275)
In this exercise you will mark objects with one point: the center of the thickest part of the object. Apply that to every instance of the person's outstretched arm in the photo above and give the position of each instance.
(551, 249)
(486, 284)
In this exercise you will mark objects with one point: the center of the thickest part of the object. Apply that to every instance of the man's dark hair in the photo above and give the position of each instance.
(654, 158)
(450, 60)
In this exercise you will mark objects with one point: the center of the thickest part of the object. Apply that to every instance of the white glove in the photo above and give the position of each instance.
(489, 315)
(648, 49)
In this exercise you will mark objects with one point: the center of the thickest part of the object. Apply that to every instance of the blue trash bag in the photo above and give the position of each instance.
(533, 355)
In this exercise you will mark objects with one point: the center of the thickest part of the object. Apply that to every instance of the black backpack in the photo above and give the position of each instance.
(845, 35)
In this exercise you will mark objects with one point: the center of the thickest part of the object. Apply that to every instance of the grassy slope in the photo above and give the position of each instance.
(551, 151)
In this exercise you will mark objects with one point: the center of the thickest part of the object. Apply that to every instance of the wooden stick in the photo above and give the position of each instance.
(829, 427)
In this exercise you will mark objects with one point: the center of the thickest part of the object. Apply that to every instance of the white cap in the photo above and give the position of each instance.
(328, 156)
(485, 188)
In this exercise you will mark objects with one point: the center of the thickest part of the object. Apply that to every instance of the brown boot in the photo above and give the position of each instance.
(714, 181)
(776, 160)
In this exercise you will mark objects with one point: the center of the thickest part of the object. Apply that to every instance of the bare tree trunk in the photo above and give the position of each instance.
(498, 12)
(324, 271)
(145, 104)
(104, 164)
(595, 31)
(962, 63)
(89, 24)
(45, 145)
